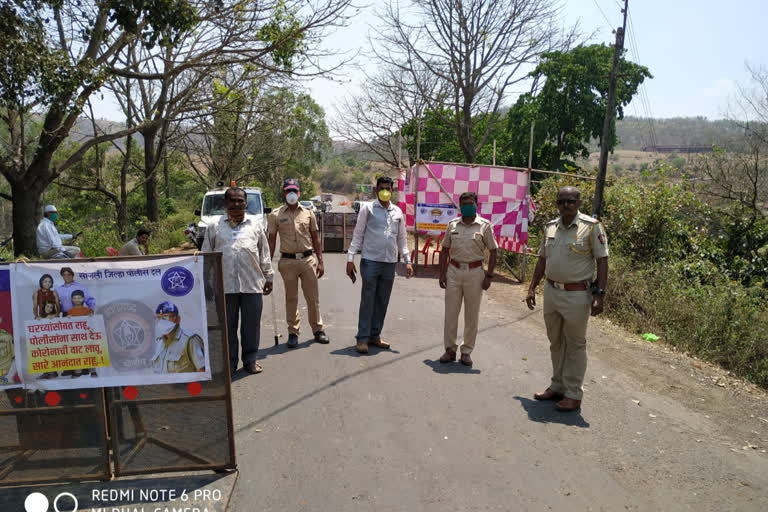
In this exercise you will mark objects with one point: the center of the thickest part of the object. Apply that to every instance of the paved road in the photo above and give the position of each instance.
(323, 429)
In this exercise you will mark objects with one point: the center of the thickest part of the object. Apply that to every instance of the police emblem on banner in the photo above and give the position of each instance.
(130, 331)
(177, 281)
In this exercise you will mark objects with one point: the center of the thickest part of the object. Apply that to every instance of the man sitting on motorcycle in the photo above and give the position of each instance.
(49, 241)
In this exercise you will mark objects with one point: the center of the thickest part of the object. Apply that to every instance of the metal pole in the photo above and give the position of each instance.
(418, 139)
(607, 137)
(528, 195)
(415, 186)
(494, 152)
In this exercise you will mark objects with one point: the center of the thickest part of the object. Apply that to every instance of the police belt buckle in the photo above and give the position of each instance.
(300, 255)
(463, 265)
(559, 286)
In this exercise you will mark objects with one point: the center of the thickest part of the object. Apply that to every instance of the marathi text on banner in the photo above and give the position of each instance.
(121, 322)
(434, 217)
(71, 343)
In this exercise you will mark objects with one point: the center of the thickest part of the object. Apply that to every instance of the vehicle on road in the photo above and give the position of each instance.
(214, 207)
(310, 205)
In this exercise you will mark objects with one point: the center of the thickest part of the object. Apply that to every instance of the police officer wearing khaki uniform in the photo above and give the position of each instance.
(464, 280)
(573, 245)
(301, 258)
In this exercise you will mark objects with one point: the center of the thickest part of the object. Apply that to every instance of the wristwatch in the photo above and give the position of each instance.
(598, 291)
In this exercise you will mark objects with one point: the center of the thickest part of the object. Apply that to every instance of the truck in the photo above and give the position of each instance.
(214, 207)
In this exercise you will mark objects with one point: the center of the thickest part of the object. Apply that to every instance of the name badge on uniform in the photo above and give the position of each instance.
(237, 234)
(284, 219)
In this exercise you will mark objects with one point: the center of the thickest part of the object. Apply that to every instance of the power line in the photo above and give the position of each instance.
(643, 93)
(603, 13)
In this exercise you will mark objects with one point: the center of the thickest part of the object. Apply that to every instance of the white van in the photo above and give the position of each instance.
(214, 207)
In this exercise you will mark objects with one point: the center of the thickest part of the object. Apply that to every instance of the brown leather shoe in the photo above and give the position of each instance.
(379, 343)
(449, 356)
(253, 368)
(466, 360)
(548, 395)
(568, 405)
(362, 347)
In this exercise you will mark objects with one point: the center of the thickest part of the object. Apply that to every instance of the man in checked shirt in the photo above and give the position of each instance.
(248, 275)
(379, 232)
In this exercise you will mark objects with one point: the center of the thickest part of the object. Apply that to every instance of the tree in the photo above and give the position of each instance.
(568, 102)
(57, 54)
(478, 48)
(258, 136)
(54, 56)
(389, 101)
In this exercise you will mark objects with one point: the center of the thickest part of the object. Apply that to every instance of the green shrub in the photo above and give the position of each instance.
(722, 321)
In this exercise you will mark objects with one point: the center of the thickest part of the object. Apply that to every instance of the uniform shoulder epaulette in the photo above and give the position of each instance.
(588, 218)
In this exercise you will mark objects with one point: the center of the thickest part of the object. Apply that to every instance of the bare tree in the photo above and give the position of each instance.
(388, 101)
(738, 172)
(479, 48)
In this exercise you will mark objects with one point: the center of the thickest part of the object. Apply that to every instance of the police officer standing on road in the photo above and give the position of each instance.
(299, 237)
(466, 239)
(571, 245)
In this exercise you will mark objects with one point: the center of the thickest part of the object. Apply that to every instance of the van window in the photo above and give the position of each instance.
(214, 204)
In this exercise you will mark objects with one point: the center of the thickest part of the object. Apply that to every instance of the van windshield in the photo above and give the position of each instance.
(214, 204)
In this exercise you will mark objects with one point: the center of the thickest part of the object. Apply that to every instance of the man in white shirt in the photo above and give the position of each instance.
(380, 232)
(49, 241)
(248, 275)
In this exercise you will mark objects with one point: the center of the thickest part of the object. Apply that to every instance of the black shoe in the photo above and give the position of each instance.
(293, 340)
(321, 337)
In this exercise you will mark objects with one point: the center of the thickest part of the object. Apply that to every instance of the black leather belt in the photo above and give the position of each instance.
(296, 256)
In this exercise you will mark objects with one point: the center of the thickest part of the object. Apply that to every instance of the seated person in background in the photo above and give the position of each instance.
(139, 246)
(49, 241)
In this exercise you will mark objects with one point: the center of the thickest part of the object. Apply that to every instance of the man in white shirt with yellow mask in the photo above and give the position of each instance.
(380, 233)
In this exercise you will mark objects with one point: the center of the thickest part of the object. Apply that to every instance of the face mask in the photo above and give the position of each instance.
(54, 217)
(236, 214)
(468, 210)
(163, 327)
(385, 195)
(292, 198)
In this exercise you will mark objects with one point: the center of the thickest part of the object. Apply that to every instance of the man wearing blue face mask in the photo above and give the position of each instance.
(49, 241)
(176, 351)
(466, 240)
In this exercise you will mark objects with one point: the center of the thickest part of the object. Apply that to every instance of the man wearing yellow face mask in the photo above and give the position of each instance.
(380, 233)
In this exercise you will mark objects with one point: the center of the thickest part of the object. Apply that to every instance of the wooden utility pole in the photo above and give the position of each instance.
(605, 141)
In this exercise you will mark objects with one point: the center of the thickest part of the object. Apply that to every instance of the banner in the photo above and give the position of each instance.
(109, 323)
(9, 376)
(434, 217)
(502, 196)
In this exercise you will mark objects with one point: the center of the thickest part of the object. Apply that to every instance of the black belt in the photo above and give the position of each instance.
(296, 256)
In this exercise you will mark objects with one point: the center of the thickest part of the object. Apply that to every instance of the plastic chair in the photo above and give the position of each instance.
(111, 251)
(424, 250)
(437, 247)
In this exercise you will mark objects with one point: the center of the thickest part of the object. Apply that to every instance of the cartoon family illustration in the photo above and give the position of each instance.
(176, 350)
(66, 300)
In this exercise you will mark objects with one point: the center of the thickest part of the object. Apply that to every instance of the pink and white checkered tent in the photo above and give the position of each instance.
(502, 195)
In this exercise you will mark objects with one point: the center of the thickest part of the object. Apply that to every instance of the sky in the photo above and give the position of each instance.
(697, 52)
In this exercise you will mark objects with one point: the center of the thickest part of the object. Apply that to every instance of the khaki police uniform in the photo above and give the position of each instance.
(295, 227)
(183, 353)
(570, 253)
(467, 244)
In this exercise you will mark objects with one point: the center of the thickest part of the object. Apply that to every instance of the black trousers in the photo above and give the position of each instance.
(245, 309)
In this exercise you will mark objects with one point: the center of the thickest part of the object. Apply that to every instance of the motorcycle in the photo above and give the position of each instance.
(190, 233)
